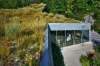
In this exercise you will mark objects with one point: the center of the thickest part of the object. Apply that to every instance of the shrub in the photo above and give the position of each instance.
(57, 55)
(14, 3)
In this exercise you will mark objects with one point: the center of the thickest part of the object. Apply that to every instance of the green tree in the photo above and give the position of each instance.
(55, 6)
(8, 4)
(72, 8)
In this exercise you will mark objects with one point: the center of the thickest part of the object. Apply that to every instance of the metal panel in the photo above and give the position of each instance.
(46, 59)
(45, 55)
(69, 26)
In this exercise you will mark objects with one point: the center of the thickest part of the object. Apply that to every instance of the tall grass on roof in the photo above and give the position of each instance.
(22, 32)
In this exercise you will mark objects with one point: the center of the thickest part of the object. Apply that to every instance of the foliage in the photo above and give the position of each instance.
(98, 61)
(8, 4)
(97, 26)
(72, 8)
(84, 60)
(1, 32)
(75, 8)
(57, 55)
(25, 28)
(54, 6)
(12, 28)
(97, 49)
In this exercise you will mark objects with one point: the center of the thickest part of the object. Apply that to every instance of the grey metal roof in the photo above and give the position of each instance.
(69, 26)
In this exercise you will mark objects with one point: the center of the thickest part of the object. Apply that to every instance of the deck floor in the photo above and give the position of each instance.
(72, 53)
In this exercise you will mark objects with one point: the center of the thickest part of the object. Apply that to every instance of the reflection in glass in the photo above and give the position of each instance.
(69, 37)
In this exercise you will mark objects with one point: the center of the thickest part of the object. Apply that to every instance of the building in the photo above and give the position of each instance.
(63, 34)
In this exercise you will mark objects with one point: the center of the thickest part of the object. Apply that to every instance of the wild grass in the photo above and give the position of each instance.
(25, 27)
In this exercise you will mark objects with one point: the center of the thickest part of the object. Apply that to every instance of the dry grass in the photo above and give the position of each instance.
(26, 26)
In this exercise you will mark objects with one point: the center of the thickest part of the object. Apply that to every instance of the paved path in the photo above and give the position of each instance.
(72, 53)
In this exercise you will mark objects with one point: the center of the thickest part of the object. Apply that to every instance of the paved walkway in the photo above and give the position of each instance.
(72, 53)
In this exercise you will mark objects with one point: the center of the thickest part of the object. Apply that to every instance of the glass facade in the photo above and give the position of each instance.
(69, 37)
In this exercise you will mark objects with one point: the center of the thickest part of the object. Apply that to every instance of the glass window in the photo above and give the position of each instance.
(69, 37)
(85, 36)
(77, 36)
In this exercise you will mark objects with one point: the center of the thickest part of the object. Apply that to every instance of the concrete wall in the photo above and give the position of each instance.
(72, 53)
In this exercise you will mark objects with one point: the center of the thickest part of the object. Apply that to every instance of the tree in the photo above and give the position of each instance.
(8, 4)
(72, 8)
(55, 6)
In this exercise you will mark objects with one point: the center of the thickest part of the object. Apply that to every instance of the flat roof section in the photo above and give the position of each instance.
(69, 26)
